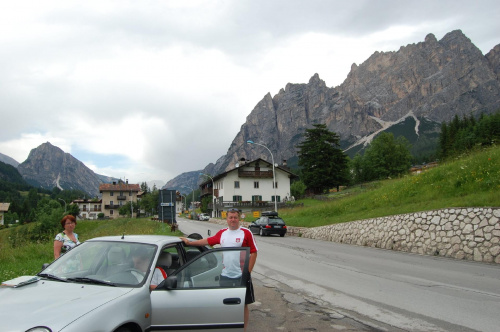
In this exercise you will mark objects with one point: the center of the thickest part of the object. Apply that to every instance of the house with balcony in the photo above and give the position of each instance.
(117, 194)
(249, 187)
(89, 208)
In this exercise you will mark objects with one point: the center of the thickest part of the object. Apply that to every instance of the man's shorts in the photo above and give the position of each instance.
(235, 282)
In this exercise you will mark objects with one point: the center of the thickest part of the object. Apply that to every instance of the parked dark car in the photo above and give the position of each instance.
(269, 223)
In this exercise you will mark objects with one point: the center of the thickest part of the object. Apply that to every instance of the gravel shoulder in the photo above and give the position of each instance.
(281, 308)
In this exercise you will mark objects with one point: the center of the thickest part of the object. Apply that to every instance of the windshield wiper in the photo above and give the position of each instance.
(92, 281)
(52, 277)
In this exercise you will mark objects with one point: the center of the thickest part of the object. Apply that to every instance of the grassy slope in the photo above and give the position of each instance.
(469, 181)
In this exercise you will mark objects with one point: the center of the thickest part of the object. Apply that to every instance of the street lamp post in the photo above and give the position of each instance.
(131, 208)
(185, 203)
(192, 191)
(274, 176)
(64, 204)
(213, 194)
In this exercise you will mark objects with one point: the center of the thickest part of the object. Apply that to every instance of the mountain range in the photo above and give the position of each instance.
(419, 86)
(409, 92)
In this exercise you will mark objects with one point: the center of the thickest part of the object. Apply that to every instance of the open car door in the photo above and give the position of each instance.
(192, 299)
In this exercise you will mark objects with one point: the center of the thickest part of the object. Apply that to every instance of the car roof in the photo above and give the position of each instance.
(146, 239)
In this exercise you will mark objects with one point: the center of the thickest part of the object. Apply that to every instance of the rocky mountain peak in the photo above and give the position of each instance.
(493, 58)
(432, 80)
(430, 38)
(48, 166)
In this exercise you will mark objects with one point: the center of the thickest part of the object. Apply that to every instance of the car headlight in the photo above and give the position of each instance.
(39, 329)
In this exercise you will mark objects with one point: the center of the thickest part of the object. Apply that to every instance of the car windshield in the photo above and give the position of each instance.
(278, 221)
(103, 263)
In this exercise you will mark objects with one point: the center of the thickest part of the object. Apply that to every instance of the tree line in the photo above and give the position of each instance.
(460, 135)
(323, 164)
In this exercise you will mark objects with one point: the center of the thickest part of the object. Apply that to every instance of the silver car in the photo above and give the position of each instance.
(203, 217)
(97, 287)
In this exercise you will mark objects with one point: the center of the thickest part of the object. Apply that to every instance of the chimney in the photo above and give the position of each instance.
(284, 162)
(126, 181)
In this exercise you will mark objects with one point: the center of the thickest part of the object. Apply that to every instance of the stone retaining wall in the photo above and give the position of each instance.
(462, 233)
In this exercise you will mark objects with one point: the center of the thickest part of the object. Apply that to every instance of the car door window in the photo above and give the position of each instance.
(206, 270)
(197, 300)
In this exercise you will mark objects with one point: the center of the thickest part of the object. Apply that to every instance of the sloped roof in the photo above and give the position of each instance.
(221, 175)
(119, 187)
(4, 207)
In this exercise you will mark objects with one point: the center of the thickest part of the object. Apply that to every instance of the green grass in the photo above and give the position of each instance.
(26, 258)
(468, 181)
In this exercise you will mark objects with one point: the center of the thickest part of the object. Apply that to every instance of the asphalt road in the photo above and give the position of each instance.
(364, 289)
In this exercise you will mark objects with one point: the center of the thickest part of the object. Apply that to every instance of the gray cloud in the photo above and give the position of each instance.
(169, 84)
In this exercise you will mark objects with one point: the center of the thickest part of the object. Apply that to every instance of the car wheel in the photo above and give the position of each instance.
(124, 329)
(282, 235)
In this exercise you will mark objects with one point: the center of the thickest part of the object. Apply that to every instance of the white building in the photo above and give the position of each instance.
(249, 187)
(89, 208)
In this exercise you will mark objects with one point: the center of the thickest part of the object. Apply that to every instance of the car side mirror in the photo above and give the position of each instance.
(169, 283)
(44, 266)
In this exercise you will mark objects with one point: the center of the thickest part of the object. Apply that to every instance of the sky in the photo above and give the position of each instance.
(148, 90)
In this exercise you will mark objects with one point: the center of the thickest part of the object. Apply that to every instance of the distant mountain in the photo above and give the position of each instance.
(48, 166)
(107, 179)
(10, 174)
(409, 91)
(8, 160)
(184, 183)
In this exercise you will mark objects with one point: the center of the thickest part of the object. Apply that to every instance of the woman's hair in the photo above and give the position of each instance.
(67, 217)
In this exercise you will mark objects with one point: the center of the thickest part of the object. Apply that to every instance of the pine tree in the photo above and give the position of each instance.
(323, 164)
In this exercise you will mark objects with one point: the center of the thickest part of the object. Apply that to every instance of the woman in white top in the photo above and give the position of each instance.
(67, 239)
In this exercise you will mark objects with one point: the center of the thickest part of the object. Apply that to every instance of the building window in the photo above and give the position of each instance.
(279, 198)
(111, 212)
(275, 184)
(256, 198)
(110, 193)
(130, 193)
(121, 203)
(111, 203)
(236, 184)
(237, 198)
(256, 184)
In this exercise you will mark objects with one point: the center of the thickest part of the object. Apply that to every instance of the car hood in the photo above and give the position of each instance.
(51, 303)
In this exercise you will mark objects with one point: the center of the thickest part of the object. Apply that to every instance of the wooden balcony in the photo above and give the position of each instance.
(91, 210)
(255, 174)
(208, 191)
(260, 205)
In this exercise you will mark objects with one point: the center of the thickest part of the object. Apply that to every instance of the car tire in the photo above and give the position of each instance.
(124, 329)
(282, 235)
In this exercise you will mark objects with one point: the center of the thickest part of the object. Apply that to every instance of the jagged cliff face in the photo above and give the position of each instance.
(435, 80)
(48, 166)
